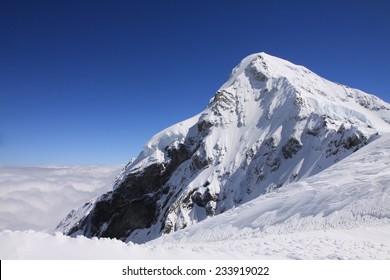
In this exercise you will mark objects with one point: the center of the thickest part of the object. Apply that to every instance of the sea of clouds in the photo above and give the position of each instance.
(38, 198)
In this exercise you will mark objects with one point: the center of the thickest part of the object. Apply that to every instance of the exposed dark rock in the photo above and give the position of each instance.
(202, 199)
(133, 204)
(313, 132)
(204, 126)
(270, 142)
(259, 76)
(316, 130)
(299, 101)
(199, 162)
(178, 155)
(188, 197)
(167, 227)
(352, 142)
(291, 148)
(223, 100)
(341, 129)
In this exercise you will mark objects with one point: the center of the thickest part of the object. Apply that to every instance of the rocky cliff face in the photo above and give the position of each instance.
(270, 124)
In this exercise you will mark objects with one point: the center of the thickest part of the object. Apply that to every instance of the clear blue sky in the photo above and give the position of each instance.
(89, 82)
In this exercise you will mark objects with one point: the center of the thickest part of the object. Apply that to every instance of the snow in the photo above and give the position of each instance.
(359, 243)
(39, 197)
(272, 123)
(354, 192)
(342, 212)
(154, 150)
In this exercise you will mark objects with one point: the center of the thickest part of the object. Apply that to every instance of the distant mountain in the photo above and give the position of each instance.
(272, 123)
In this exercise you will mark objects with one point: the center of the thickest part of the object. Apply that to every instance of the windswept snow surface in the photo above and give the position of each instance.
(342, 212)
(358, 243)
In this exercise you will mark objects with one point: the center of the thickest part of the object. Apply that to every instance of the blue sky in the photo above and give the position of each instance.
(89, 82)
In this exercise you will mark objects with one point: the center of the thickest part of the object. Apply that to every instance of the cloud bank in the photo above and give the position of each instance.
(39, 198)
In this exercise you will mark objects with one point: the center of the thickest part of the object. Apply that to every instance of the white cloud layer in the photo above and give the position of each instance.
(39, 198)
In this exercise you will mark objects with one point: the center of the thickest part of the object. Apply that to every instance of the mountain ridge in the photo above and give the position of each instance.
(270, 124)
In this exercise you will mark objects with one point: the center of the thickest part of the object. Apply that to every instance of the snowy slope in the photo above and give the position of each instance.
(272, 123)
(353, 193)
(342, 212)
(358, 243)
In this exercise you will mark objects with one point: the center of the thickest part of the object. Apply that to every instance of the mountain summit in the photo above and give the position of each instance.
(270, 124)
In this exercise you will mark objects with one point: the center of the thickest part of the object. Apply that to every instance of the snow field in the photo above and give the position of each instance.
(358, 243)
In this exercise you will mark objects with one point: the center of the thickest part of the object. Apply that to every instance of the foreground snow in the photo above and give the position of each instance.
(357, 243)
(342, 212)
(39, 197)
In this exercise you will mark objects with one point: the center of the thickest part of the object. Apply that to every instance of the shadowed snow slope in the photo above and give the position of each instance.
(271, 124)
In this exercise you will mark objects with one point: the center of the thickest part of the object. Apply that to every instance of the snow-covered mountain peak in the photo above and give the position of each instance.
(270, 124)
(275, 83)
(262, 66)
